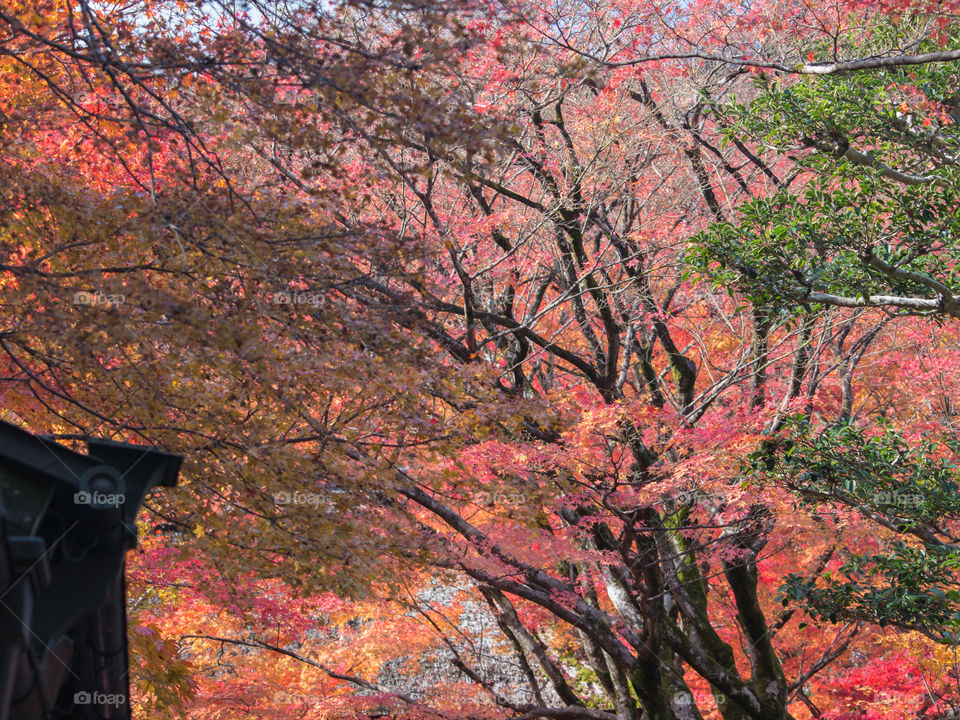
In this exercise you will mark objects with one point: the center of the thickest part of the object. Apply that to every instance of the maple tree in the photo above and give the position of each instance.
(630, 321)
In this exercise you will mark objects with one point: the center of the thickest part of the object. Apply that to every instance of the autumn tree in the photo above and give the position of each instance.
(597, 307)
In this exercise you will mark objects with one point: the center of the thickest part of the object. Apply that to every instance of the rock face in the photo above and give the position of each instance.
(479, 643)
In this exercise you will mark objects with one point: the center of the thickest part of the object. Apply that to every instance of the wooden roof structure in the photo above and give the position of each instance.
(66, 522)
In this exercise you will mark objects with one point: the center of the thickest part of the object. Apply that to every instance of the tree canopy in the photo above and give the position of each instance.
(603, 354)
